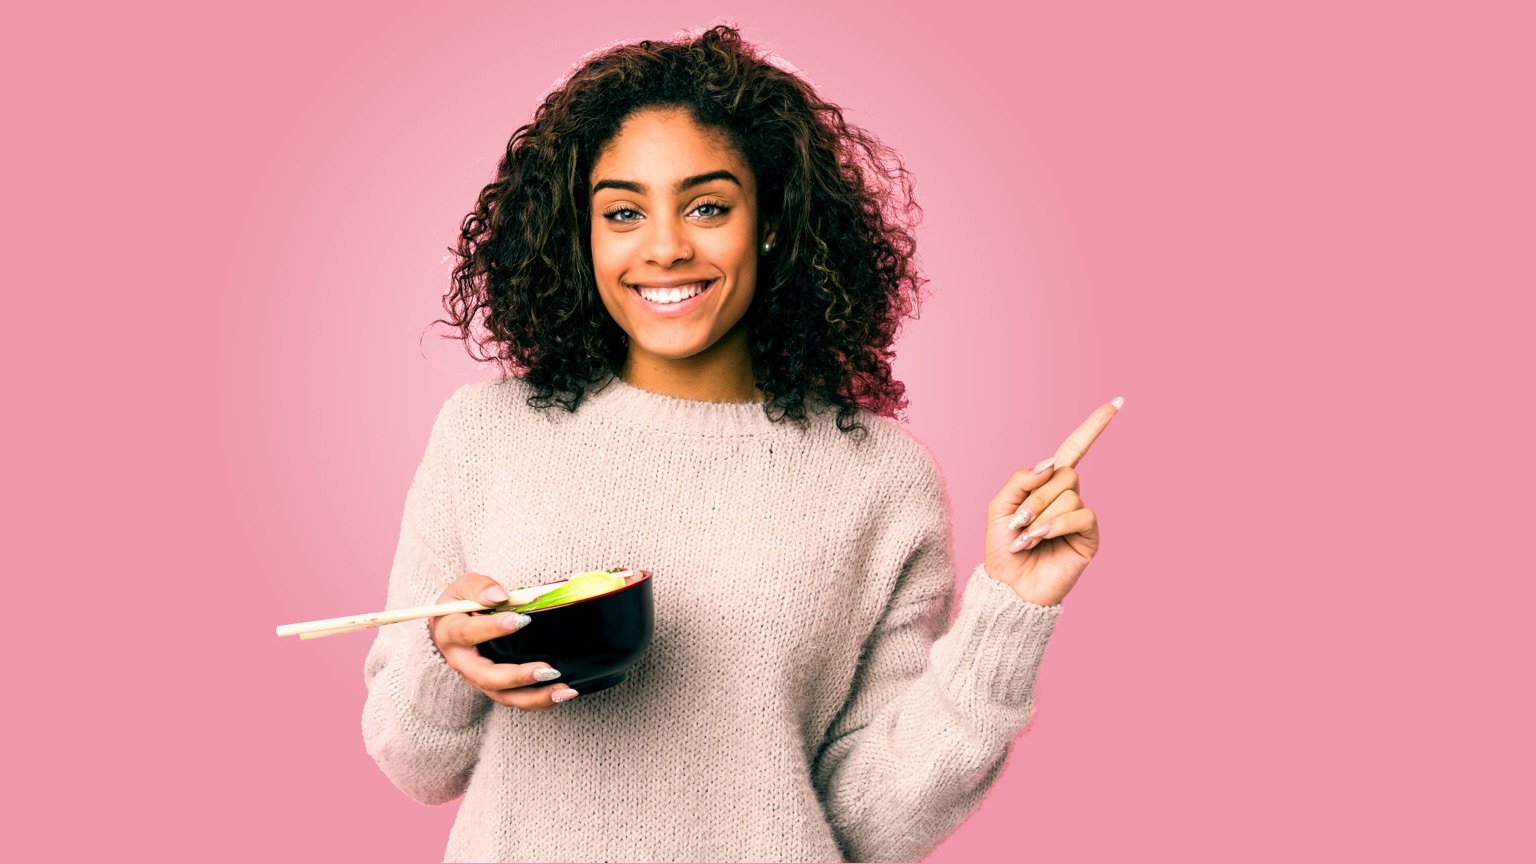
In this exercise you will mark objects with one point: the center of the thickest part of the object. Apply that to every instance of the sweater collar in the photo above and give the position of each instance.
(624, 402)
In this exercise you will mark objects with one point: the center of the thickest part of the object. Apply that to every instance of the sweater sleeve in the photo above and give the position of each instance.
(931, 718)
(422, 722)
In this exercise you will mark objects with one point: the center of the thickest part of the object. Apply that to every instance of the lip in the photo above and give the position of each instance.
(673, 309)
(668, 283)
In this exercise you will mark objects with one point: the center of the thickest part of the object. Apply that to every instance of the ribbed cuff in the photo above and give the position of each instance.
(993, 650)
(438, 693)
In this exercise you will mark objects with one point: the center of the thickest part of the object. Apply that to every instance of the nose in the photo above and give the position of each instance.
(668, 242)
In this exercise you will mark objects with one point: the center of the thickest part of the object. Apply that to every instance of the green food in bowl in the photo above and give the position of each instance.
(578, 587)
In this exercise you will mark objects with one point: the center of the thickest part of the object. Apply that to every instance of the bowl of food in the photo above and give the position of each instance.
(591, 627)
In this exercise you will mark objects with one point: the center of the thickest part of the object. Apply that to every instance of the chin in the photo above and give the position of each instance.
(669, 351)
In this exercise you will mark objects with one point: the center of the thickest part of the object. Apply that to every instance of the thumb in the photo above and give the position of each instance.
(477, 587)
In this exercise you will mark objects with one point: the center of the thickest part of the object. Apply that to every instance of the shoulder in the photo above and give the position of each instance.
(923, 479)
(901, 466)
(476, 409)
(885, 442)
(497, 396)
(490, 392)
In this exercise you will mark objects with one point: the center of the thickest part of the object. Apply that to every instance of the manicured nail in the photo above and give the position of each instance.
(1020, 519)
(562, 696)
(1118, 402)
(493, 595)
(546, 674)
(514, 620)
(1045, 465)
(1028, 539)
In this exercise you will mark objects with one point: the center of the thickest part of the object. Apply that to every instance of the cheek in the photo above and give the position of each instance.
(604, 261)
(738, 251)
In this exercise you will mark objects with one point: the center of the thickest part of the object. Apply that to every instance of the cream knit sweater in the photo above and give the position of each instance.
(807, 695)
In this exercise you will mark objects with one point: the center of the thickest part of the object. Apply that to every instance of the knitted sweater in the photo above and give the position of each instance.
(808, 694)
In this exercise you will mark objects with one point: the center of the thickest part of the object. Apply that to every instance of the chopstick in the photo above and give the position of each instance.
(378, 619)
(348, 623)
(351, 623)
(321, 634)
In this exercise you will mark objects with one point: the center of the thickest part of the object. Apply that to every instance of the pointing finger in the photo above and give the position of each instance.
(1077, 444)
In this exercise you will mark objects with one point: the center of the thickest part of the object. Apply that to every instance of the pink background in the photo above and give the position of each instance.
(1297, 238)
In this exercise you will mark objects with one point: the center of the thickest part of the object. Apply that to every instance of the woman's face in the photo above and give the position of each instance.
(674, 214)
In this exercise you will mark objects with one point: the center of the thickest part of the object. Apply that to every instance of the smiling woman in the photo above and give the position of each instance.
(660, 164)
(677, 267)
(703, 263)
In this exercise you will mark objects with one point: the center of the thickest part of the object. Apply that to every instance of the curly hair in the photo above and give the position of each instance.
(827, 308)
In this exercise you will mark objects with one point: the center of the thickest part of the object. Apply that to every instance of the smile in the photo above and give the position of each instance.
(675, 295)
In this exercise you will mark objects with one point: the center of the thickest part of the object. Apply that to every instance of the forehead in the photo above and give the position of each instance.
(661, 146)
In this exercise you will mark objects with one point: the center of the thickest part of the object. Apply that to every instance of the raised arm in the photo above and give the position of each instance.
(931, 717)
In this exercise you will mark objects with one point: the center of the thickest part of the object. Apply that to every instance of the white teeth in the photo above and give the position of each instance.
(672, 295)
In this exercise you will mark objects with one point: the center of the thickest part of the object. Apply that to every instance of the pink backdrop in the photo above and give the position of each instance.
(1297, 239)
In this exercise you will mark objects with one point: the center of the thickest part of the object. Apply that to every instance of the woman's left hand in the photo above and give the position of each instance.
(1043, 562)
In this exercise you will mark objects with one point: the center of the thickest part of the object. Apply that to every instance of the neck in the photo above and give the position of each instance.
(722, 374)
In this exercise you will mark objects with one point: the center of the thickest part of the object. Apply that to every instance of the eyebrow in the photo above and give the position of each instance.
(685, 183)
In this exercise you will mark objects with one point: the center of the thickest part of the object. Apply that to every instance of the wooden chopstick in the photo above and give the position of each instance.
(378, 619)
(350, 623)
(321, 634)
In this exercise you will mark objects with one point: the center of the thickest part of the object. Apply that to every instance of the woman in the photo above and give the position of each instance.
(704, 266)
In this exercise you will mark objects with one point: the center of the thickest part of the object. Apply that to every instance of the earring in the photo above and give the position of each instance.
(767, 247)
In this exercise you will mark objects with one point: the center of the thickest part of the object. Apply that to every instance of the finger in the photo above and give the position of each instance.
(465, 629)
(487, 674)
(510, 676)
(1040, 498)
(1077, 444)
(1015, 491)
(534, 698)
(477, 587)
(1080, 521)
(1066, 502)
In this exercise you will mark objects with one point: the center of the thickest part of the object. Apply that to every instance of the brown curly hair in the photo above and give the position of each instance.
(842, 202)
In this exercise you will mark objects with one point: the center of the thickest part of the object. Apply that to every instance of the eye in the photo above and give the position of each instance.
(719, 210)
(614, 214)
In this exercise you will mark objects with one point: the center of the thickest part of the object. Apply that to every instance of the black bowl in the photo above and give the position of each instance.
(591, 642)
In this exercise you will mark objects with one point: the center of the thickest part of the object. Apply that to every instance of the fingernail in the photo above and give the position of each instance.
(514, 620)
(562, 696)
(1020, 519)
(1019, 543)
(1118, 402)
(493, 595)
(1038, 531)
(1045, 465)
(546, 674)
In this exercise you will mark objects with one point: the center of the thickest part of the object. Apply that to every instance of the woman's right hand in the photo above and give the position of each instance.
(515, 685)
